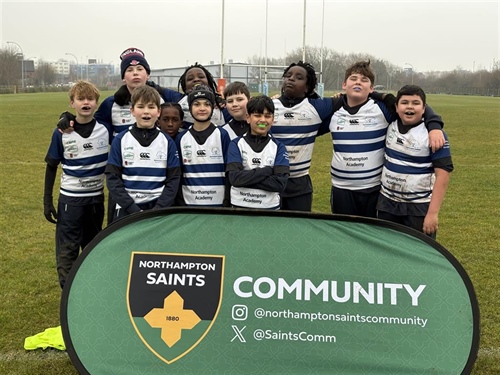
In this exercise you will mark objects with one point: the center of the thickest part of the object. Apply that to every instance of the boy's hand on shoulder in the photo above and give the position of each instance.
(221, 102)
(436, 139)
(49, 211)
(66, 122)
(390, 101)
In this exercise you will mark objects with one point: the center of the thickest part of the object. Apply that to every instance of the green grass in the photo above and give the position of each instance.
(29, 293)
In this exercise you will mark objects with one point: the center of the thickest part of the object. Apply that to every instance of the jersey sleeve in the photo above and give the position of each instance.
(55, 153)
(282, 157)
(323, 106)
(442, 157)
(173, 154)
(389, 115)
(115, 155)
(170, 95)
(225, 141)
(432, 120)
(103, 113)
(234, 155)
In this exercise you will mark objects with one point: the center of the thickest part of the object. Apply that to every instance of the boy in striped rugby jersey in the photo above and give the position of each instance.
(414, 178)
(83, 154)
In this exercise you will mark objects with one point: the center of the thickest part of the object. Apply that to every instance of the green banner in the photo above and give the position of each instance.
(189, 291)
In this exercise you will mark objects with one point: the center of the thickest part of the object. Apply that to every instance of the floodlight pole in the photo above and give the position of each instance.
(304, 35)
(70, 54)
(265, 57)
(222, 45)
(22, 63)
(322, 34)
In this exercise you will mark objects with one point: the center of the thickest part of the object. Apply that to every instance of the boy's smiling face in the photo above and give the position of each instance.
(357, 88)
(237, 106)
(410, 109)
(195, 76)
(145, 114)
(260, 123)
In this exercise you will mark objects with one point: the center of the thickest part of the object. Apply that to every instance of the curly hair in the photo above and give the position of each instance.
(210, 79)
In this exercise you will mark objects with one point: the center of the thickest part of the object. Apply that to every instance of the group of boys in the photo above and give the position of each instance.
(154, 163)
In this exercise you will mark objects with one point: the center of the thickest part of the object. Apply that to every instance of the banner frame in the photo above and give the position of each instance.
(278, 213)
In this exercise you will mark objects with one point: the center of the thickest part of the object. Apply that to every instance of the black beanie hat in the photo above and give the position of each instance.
(201, 92)
(131, 57)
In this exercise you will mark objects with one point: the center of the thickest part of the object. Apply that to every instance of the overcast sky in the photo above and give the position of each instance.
(428, 35)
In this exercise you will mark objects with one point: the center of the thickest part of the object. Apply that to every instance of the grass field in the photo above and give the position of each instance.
(29, 293)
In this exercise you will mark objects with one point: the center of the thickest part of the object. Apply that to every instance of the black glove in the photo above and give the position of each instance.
(49, 210)
(122, 96)
(152, 84)
(64, 120)
(390, 101)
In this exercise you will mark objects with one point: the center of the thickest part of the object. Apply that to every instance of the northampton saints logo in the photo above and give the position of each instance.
(173, 300)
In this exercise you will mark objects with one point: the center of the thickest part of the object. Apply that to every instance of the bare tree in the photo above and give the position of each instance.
(44, 74)
(10, 66)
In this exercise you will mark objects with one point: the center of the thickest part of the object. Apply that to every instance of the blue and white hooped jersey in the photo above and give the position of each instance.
(358, 147)
(273, 154)
(144, 168)
(203, 169)
(230, 131)
(297, 128)
(83, 161)
(121, 118)
(217, 115)
(408, 173)
(120, 115)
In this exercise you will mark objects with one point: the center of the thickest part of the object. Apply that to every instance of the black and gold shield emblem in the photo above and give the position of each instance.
(173, 300)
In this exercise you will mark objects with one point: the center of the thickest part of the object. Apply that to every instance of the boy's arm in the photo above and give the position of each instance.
(169, 193)
(275, 182)
(103, 113)
(117, 189)
(114, 181)
(281, 170)
(434, 124)
(49, 210)
(238, 176)
(54, 156)
(173, 177)
(167, 94)
(431, 221)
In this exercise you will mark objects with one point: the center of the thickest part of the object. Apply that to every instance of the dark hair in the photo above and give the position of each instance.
(312, 80)
(361, 67)
(235, 88)
(411, 90)
(177, 106)
(258, 104)
(210, 79)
